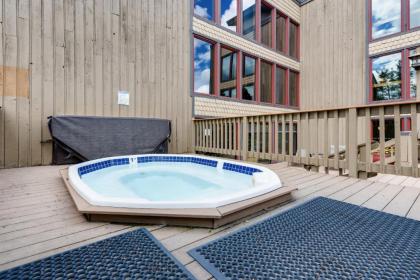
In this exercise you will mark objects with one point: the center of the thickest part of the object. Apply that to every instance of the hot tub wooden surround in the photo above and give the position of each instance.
(197, 217)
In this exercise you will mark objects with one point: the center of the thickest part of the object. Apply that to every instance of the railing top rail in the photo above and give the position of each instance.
(372, 105)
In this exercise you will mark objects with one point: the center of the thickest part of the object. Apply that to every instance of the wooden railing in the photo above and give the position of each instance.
(339, 138)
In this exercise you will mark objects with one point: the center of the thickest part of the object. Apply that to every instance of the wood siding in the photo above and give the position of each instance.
(333, 54)
(72, 56)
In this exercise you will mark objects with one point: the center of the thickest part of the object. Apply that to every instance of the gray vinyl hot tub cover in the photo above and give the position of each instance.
(87, 138)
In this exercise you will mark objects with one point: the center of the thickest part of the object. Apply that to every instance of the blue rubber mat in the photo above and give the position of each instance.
(133, 255)
(320, 239)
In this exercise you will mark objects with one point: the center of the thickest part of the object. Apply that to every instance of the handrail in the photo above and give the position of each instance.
(376, 104)
(335, 138)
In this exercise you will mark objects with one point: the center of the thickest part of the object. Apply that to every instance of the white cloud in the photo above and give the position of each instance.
(228, 14)
(201, 11)
(247, 3)
(386, 11)
(202, 81)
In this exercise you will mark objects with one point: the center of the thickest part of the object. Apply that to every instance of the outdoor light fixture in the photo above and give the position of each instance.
(415, 60)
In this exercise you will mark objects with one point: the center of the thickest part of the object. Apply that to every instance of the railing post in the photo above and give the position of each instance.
(352, 142)
(244, 138)
(194, 138)
(414, 142)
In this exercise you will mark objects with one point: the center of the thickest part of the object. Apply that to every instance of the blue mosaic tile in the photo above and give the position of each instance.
(240, 168)
(101, 165)
(147, 159)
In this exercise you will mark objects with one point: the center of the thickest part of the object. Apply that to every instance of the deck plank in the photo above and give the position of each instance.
(350, 190)
(402, 203)
(380, 200)
(414, 212)
(365, 194)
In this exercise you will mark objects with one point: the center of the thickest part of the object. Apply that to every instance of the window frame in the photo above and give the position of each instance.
(407, 11)
(297, 88)
(405, 76)
(290, 22)
(242, 71)
(286, 33)
(405, 16)
(237, 88)
(272, 44)
(257, 25)
(285, 87)
(213, 64)
(272, 81)
(240, 64)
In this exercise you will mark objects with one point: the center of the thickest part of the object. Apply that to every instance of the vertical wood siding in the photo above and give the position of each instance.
(72, 56)
(333, 53)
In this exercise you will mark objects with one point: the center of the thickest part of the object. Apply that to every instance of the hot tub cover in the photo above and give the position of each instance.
(81, 138)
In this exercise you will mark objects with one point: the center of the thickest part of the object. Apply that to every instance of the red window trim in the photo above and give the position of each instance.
(258, 21)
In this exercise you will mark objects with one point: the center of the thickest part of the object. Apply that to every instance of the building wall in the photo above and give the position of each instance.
(333, 53)
(72, 56)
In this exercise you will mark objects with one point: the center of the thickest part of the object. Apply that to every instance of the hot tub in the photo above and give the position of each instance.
(183, 186)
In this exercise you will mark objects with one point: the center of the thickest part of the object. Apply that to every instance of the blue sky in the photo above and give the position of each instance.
(386, 17)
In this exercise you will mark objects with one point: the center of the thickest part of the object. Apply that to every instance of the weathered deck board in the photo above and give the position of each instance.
(38, 219)
(401, 204)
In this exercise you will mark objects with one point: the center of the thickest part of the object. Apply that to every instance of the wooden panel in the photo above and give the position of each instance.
(72, 56)
(333, 41)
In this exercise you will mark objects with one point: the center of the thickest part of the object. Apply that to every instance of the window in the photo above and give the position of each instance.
(386, 77)
(204, 8)
(248, 78)
(266, 25)
(293, 40)
(293, 88)
(228, 73)
(281, 85)
(386, 17)
(217, 69)
(414, 13)
(203, 66)
(413, 83)
(229, 13)
(265, 88)
(248, 18)
(281, 33)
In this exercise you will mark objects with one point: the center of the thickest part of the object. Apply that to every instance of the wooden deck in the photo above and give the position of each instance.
(38, 218)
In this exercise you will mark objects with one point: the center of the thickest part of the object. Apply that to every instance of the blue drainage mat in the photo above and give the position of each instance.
(133, 255)
(320, 239)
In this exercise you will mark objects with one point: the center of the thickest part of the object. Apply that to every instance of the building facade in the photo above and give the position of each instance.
(196, 59)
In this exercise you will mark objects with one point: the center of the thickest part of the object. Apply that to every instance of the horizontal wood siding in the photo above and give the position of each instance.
(333, 53)
(72, 56)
